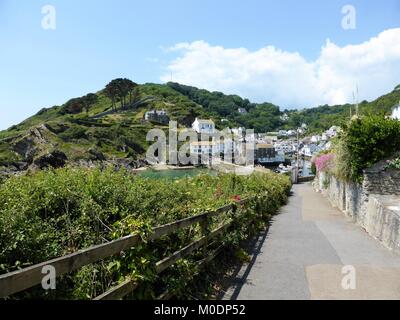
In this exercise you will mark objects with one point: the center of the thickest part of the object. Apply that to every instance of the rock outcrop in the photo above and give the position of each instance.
(96, 155)
(54, 159)
(32, 144)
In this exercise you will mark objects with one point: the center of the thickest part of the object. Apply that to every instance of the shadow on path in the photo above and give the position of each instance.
(234, 284)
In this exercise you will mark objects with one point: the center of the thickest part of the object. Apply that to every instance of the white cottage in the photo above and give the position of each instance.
(240, 132)
(203, 126)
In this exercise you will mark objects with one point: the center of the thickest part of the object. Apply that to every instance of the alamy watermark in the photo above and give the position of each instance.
(187, 147)
(349, 281)
(49, 17)
(49, 280)
(349, 21)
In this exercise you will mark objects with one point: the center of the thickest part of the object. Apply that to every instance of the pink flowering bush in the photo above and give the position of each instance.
(325, 162)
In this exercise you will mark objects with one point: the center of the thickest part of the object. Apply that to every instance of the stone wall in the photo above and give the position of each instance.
(382, 220)
(374, 204)
(380, 180)
(355, 199)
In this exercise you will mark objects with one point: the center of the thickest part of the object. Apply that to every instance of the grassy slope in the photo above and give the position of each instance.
(117, 135)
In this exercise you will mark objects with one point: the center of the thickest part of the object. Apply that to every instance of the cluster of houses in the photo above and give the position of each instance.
(271, 148)
(265, 152)
(293, 133)
(317, 143)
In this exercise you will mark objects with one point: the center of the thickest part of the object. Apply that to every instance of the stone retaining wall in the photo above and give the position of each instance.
(381, 180)
(374, 204)
(382, 220)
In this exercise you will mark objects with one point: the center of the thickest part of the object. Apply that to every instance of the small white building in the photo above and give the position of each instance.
(332, 132)
(242, 110)
(309, 150)
(284, 117)
(396, 112)
(283, 133)
(315, 139)
(157, 115)
(203, 126)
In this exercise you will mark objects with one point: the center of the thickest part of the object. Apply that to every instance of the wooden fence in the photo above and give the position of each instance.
(26, 278)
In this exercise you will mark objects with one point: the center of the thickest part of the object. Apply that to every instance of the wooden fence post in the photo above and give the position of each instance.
(204, 225)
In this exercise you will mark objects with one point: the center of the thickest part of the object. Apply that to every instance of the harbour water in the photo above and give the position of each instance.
(172, 174)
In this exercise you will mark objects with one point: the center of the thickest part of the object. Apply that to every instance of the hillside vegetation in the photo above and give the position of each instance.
(56, 212)
(109, 125)
(323, 117)
(363, 142)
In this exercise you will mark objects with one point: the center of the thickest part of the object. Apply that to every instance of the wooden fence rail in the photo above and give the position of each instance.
(26, 278)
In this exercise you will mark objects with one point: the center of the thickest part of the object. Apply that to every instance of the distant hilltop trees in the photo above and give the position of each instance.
(77, 105)
(122, 89)
(118, 90)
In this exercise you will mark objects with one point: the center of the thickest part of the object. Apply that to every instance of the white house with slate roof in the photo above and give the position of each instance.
(203, 126)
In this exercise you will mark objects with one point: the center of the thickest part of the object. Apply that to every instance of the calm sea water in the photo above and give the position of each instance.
(178, 174)
(175, 174)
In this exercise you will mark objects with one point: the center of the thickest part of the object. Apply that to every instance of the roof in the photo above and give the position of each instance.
(264, 145)
(155, 111)
(205, 121)
(202, 143)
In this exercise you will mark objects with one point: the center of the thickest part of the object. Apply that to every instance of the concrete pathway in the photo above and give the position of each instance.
(312, 251)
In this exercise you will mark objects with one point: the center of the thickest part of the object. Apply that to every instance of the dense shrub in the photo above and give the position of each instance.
(73, 133)
(53, 213)
(77, 105)
(363, 142)
(313, 168)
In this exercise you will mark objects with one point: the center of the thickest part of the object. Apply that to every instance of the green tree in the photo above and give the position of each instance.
(120, 88)
(89, 100)
(111, 91)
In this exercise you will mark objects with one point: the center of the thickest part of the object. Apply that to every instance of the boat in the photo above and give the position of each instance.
(283, 169)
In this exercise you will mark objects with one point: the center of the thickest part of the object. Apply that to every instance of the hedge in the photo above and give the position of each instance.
(364, 142)
(52, 213)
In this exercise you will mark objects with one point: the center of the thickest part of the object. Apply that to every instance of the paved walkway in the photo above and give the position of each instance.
(303, 255)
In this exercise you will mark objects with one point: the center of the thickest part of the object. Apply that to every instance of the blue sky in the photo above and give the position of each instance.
(98, 40)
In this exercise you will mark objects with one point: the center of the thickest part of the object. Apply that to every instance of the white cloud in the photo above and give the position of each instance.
(287, 78)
